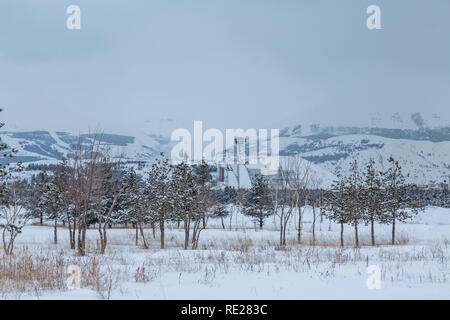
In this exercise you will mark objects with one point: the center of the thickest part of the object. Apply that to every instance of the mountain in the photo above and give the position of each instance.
(424, 153)
(424, 161)
(54, 145)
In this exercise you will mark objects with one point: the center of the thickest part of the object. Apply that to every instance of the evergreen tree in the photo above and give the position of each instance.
(35, 188)
(220, 211)
(133, 204)
(227, 195)
(373, 197)
(258, 202)
(187, 203)
(6, 167)
(52, 203)
(159, 193)
(355, 199)
(224, 197)
(397, 199)
(337, 206)
(206, 201)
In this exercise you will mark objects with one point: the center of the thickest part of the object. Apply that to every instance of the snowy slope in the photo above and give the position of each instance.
(424, 161)
(424, 154)
(53, 145)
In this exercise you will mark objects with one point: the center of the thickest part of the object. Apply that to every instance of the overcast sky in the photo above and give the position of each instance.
(230, 63)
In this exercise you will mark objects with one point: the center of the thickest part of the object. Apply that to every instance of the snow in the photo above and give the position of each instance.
(424, 161)
(246, 263)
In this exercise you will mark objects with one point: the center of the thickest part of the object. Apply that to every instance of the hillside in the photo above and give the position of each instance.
(424, 154)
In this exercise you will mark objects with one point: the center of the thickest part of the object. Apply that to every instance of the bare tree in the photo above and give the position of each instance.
(300, 172)
(315, 183)
(205, 200)
(85, 171)
(284, 199)
(13, 215)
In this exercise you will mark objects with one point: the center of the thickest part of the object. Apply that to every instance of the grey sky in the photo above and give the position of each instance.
(230, 63)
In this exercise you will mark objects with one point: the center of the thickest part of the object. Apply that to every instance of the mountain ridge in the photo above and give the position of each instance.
(424, 153)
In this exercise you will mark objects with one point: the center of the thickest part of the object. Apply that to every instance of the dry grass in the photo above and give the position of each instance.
(39, 267)
(33, 273)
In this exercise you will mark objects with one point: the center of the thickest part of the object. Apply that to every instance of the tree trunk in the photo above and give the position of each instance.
(83, 235)
(261, 220)
(84, 227)
(144, 241)
(314, 224)
(281, 230)
(55, 231)
(153, 230)
(299, 232)
(393, 230)
(74, 230)
(161, 229)
(104, 241)
(320, 210)
(186, 232)
(223, 225)
(80, 246)
(101, 237)
(342, 234)
(372, 230)
(196, 234)
(5, 247)
(70, 235)
(136, 237)
(356, 234)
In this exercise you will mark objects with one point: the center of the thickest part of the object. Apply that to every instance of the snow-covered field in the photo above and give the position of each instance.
(241, 263)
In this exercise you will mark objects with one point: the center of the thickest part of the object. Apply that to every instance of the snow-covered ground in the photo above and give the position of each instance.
(247, 263)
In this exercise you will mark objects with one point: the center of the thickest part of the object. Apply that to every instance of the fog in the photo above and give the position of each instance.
(228, 63)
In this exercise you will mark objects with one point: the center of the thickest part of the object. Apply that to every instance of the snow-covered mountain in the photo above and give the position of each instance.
(54, 145)
(424, 161)
(423, 153)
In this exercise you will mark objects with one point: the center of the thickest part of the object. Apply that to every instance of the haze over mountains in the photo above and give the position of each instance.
(421, 145)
